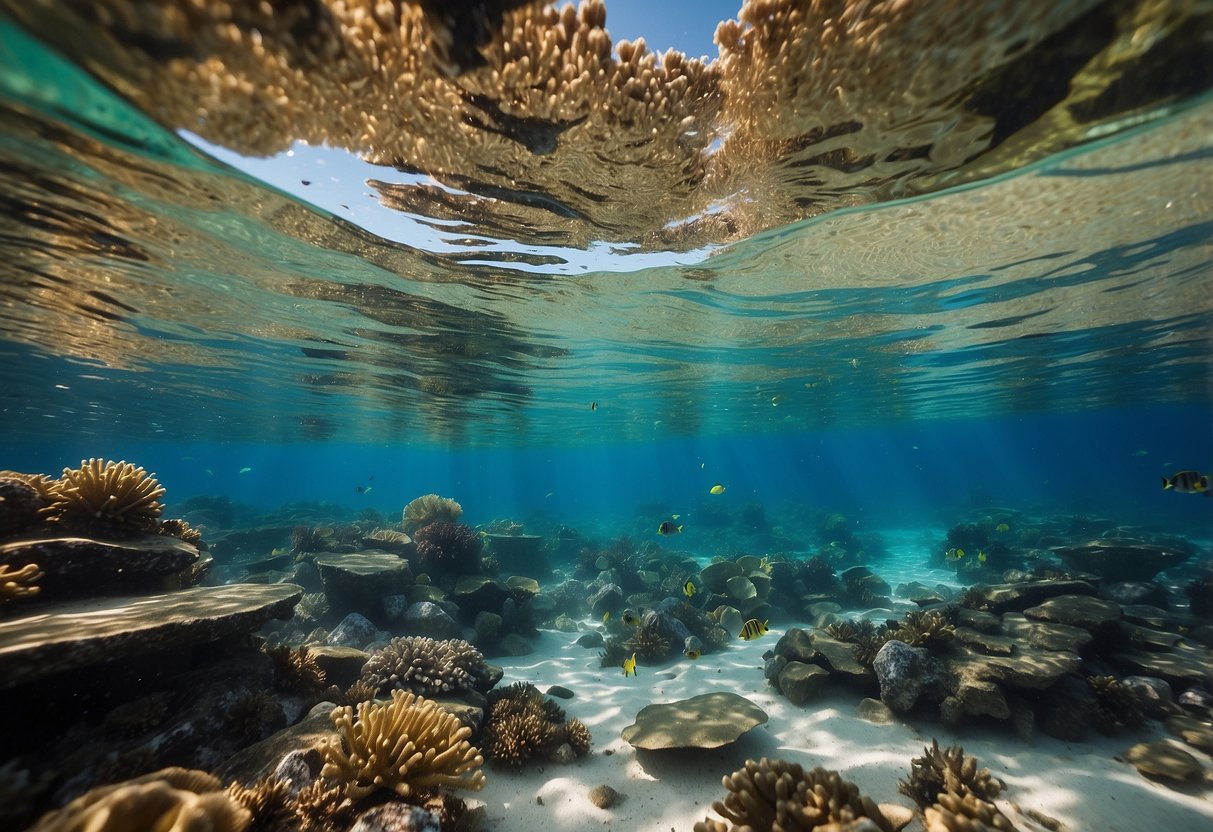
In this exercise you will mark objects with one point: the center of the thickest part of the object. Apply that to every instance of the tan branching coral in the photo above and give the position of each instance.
(427, 666)
(296, 670)
(578, 736)
(19, 583)
(521, 723)
(169, 800)
(323, 807)
(649, 644)
(776, 794)
(924, 628)
(953, 813)
(402, 746)
(270, 802)
(947, 770)
(115, 498)
(1116, 706)
(181, 529)
(430, 508)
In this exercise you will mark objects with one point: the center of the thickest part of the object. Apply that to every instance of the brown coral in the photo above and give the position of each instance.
(947, 770)
(1116, 706)
(427, 666)
(106, 498)
(521, 723)
(169, 800)
(19, 583)
(924, 628)
(430, 508)
(183, 530)
(778, 795)
(323, 807)
(404, 745)
(447, 547)
(649, 644)
(868, 644)
(953, 813)
(270, 802)
(296, 670)
(578, 736)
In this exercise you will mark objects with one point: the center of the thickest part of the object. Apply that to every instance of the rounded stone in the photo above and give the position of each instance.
(1162, 759)
(709, 720)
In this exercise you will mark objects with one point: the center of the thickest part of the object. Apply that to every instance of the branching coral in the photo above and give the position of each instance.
(19, 583)
(112, 498)
(183, 530)
(521, 723)
(270, 803)
(169, 800)
(427, 666)
(404, 745)
(778, 795)
(953, 813)
(947, 770)
(446, 547)
(430, 508)
(649, 645)
(868, 644)
(924, 628)
(323, 807)
(1116, 706)
(613, 653)
(296, 670)
(578, 736)
(22, 499)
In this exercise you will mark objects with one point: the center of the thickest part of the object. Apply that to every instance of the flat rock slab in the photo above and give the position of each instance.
(840, 656)
(356, 581)
(1045, 635)
(75, 566)
(709, 720)
(1084, 611)
(1120, 560)
(82, 633)
(1003, 597)
(1163, 759)
(1183, 666)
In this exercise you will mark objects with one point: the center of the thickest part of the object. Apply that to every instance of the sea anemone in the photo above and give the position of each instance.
(108, 498)
(446, 547)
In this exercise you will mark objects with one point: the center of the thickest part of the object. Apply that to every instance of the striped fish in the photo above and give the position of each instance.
(1187, 482)
(753, 628)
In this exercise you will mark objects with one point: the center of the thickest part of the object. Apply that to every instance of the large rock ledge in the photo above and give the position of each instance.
(82, 633)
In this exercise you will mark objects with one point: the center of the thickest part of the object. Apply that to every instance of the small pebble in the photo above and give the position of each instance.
(604, 797)
(560, 692)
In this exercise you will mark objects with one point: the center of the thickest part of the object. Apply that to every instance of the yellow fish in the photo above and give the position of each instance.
(981, 556)
(753, 628)
(631, 619)
(688, 589)
(1002, 527)
(716, 489)
(954, 554)
(629, 666)
(693, 653)
(606, 616)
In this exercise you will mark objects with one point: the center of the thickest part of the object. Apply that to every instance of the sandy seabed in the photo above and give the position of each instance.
(1081, 785)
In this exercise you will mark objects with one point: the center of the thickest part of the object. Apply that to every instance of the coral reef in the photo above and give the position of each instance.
(775, 794)
(1116, 706)
(649, 644)
(172, 800)
(402, 746)
(427, 666)
(521, 723)
(954, 813)
(323, 807)
(19, 583)
(253, 717)
(924, 628)
(270, 803)
(868, 644)
(295, 670)
(105, 498)
(308, 539)
(22, 499)
(181, 530)
(447, 547)
(430, 508)
(947, 770)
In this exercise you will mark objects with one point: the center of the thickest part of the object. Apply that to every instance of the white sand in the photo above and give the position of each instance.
(1079, 784)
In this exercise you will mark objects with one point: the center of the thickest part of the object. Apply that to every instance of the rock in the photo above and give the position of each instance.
(772, 668)
(982, 698)
(1084, 611)
(1000, 598)
(425, 618)
(515, 645)
(395, 605)
(591, 639)
(732, 620)
(740, 588)
(1121, 560)
(487, 625)
(604, 797)
(839, 656)
(354, 631)
(560, 692)
(77, 634)
(342, 666)
(477, 593)
(299, 767)
(859, 578)
(358, 582)
(1043, 635)
(982, 622)
(796, 645)
(397, 817)
(608, 598)
(1196, 699)
(873, 710)
(1066, 709)
(801, 683)
(716, 575)
(259, 759)
(562, 755)
(1163, 759)
(564, 624)
(1028, 667)
(1202, 633)
(709, 720)
(522, 586)
(1154, 695)
(816, 609)
(1197, 733)
(1147, 637)
(1135, 593)
(77, 567)
(987, 643)
(424, 592)
(904, 673)
(1183, 665)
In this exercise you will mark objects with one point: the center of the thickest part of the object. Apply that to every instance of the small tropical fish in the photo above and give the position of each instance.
(631, 619)
(1002, 527)
(606, 617)
(675, 516)
(981, 556)
(701, 465)
(753, 628)
(245, 470)
(775, 400)
(688, 589)
(955, 554)
(1141, 453)
(1187, 482)
(629, 666)
(693, 653)
(669, 527)
(593, 406)
(363, 489)
(716, 489)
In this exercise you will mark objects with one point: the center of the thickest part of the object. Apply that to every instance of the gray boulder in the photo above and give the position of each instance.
(354, 631)
(905, 673)
(608, 598)
(425, 618)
